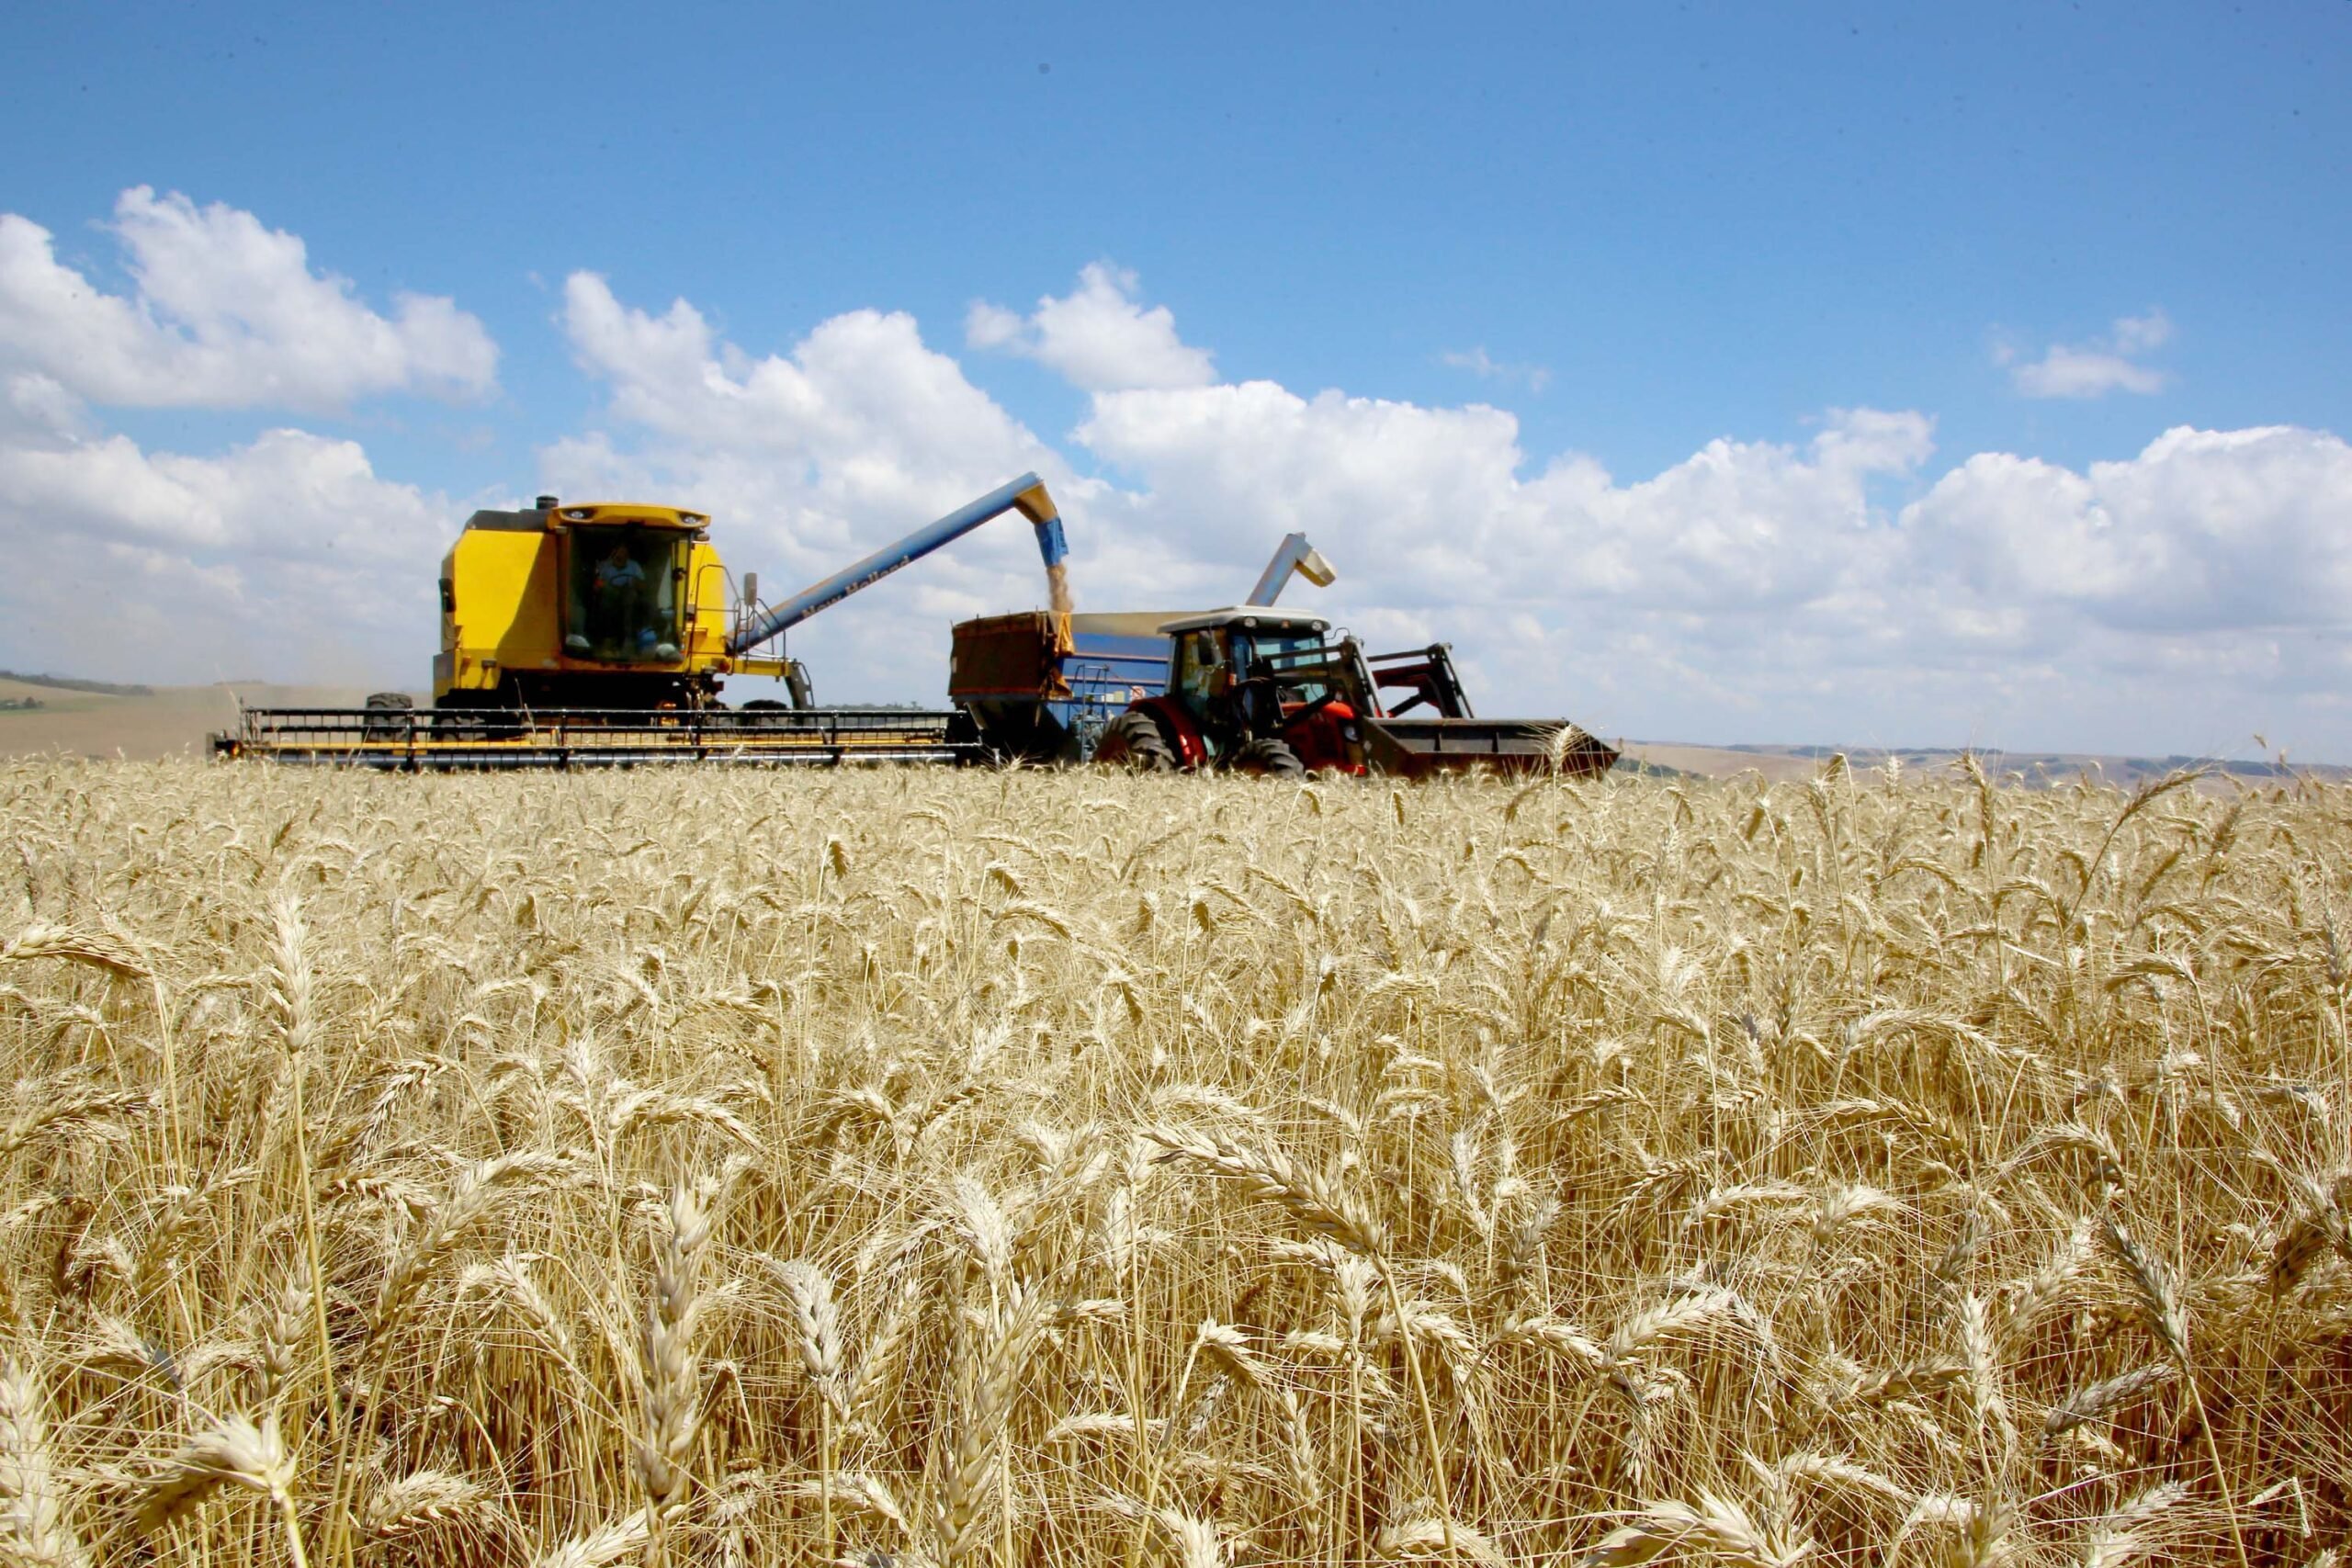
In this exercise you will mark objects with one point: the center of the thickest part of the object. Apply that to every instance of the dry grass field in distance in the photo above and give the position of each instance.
(927, 1168)
(141, 725)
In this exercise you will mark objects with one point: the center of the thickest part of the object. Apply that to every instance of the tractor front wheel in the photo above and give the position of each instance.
(1133, 741)
(1267, 758)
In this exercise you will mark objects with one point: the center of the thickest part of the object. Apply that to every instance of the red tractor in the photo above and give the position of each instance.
(1259, 690)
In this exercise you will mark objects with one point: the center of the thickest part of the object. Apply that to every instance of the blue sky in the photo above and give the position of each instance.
(2045, 235)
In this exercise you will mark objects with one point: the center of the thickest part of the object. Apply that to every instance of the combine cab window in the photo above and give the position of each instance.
(627, 594)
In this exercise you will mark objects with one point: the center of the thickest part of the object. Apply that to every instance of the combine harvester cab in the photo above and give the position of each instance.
(599, 636)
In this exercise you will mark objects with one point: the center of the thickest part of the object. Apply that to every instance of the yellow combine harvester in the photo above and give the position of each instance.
(600, 635)
(604, 606)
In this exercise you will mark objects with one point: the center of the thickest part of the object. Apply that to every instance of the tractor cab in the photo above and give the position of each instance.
(1262, 662)
(1254, 689)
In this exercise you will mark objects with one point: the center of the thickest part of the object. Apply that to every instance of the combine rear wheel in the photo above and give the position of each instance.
(1133, 741)
(1267, 758)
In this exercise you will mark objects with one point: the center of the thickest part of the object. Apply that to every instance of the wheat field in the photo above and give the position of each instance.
(925, 1167)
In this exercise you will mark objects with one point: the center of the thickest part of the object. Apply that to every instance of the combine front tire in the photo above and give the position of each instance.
(398, 720)
(1267, 758)
(1133, 741)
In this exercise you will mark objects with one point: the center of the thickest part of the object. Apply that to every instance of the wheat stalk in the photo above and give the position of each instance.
(473, 1198)
(1719, 1526)
(98, 950)
(1769, 1107)
(69, 1114)
(990, 1375)
(818, 1324)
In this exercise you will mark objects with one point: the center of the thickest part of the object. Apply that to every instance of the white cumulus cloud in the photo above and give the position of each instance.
(2204, 530)
(1096, 337)
(807, 461)
(1433, 504)
(223, 312)
(2094, 369)
(1487, 368)
(1835, 587)
(860, 421)
(287, 555)
(1846, 584)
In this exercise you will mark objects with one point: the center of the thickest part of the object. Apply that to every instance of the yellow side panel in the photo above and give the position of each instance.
(707, 591)
(506, 618)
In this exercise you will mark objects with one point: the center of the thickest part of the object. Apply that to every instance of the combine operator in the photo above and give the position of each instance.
(613, 602)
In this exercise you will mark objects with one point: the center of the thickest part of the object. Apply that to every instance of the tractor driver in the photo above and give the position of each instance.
(619, 583)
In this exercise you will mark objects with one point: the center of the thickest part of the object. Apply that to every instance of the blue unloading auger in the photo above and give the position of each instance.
(1026, 494)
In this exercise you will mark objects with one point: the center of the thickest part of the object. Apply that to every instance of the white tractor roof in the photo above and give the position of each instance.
(1250, 617)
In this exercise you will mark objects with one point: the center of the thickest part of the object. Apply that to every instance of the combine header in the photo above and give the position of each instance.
(404, 741)
(599, 634)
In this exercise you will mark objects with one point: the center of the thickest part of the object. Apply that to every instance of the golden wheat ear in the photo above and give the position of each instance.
(612, 1542)
(234, 1454)
(34, 1524)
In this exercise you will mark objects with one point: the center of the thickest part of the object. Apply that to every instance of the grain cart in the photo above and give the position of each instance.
(1254, 689)
(1045, 686)
(600, 634)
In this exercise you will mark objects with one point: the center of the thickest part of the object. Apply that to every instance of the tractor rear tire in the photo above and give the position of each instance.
(1133, 741)
(1267, 758)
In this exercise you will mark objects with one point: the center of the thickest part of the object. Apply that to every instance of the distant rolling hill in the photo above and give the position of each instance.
(1784, 761)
